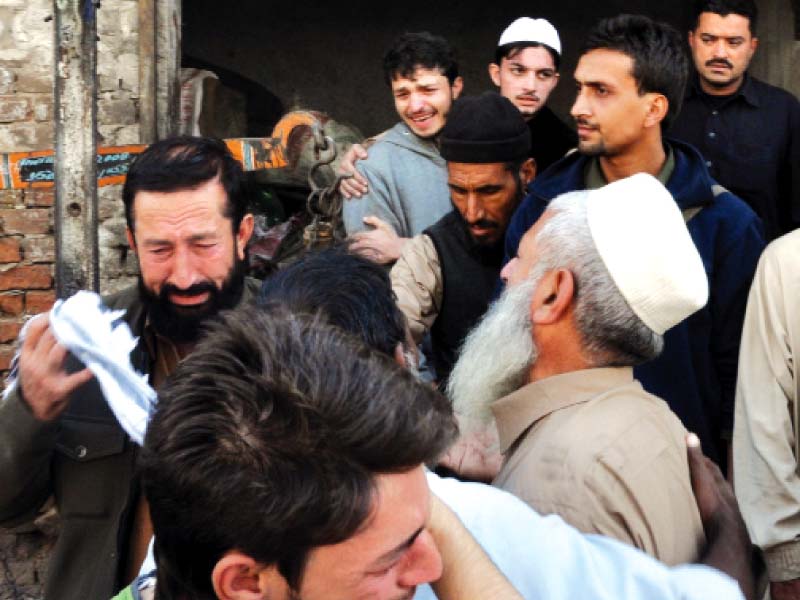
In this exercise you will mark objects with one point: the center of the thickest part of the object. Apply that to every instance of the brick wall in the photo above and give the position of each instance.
(27, 250)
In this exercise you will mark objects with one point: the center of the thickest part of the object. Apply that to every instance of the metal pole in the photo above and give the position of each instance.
(76, 146)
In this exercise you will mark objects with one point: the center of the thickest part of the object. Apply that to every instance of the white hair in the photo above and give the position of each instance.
(612, 334)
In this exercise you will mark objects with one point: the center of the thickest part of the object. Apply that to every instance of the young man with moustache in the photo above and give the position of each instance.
(525, 68)
(446, 276)
(748, 131)
(186, 210)
(405, 173)
(631, 77)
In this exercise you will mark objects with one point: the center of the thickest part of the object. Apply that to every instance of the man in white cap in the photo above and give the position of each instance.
(554, 358)
(525, 68)
(630, 79)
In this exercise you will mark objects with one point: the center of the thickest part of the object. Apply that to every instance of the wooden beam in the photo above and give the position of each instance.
(168, 64)
(76, 146)
(147, 71)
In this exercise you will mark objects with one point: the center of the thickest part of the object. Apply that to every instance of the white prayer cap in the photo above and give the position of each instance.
(537, 31)
(641, 236)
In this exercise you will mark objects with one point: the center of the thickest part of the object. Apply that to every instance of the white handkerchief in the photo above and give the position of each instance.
(102, 341)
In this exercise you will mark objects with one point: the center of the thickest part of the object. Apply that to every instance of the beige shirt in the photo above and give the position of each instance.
(417, 284)
(765, 444)
(593, 447)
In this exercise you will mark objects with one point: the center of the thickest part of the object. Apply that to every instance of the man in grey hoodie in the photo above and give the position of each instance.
(407, 177)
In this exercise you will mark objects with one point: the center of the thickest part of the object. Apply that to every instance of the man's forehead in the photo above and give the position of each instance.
(458, 170)
(204, 201)
(730, 25)
(532, 57)
(604, 65)
(420, 76)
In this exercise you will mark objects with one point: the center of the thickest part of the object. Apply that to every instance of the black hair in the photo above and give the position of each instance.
(744, 8)
(511, 50)
(348, 290)
(413, 50)
(268, 439)
(184, 162)
(660, 64)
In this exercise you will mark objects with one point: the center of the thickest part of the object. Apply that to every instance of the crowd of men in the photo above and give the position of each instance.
(604, 334)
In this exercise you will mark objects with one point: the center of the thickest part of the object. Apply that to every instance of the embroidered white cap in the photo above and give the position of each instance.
(537, 31)
(641, 236)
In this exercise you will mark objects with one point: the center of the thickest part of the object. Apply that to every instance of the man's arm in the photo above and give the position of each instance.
(376, 222)
(543, 557)
(467, 571)
(417, 284)
(28, 422)
(765, 464)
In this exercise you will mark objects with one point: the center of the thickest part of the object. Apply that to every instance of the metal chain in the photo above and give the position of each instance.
(324, 203)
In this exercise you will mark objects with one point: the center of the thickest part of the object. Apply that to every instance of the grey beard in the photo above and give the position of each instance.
(496, 357)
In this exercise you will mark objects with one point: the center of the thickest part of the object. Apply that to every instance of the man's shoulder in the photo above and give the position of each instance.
(692, 185)
(566, 175)
(626, 430)
(785, 250)
(772, 93)
(398, 141)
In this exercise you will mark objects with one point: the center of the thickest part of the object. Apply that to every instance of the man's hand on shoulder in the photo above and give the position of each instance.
(355, 186)
(44, 383)
(728, 545)
(380, 244)
(785, 590)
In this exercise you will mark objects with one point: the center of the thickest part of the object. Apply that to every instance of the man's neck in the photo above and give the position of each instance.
(645, 158)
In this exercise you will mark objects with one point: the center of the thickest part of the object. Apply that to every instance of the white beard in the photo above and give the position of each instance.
(496, 357)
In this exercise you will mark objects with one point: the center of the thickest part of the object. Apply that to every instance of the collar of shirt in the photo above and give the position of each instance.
(746, 91)
(518, 411)
(595, 179)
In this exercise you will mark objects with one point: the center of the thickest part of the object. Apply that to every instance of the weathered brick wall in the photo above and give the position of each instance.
(27, 252)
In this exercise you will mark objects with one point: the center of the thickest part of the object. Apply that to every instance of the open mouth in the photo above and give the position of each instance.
(188, 301)
(422, 120)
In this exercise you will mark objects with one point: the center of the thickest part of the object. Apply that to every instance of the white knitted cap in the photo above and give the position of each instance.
(525, 29)
(641, 236)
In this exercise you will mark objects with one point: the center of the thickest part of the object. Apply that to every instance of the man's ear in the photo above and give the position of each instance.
(656, 110)
(457, 87)
(400, 355)
(244, 233)
(527, 172)
(553, 297)
(131, 240)
(494, 73)
(237, 576)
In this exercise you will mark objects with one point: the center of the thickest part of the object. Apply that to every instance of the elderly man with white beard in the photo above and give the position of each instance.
(597, 281)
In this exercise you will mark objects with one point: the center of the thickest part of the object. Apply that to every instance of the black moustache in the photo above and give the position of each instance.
(719, 61)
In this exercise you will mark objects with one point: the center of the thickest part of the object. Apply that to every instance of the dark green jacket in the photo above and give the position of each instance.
(86, 461)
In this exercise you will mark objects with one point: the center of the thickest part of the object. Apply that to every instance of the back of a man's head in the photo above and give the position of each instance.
(183, 163)
(660, 64)
(268, 438)
(419, 50)
(349, 291)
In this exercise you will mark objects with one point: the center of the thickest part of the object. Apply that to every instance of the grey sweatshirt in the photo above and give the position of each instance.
(407, 184)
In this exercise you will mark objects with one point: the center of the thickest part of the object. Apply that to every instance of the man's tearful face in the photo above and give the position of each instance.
(486, 196)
